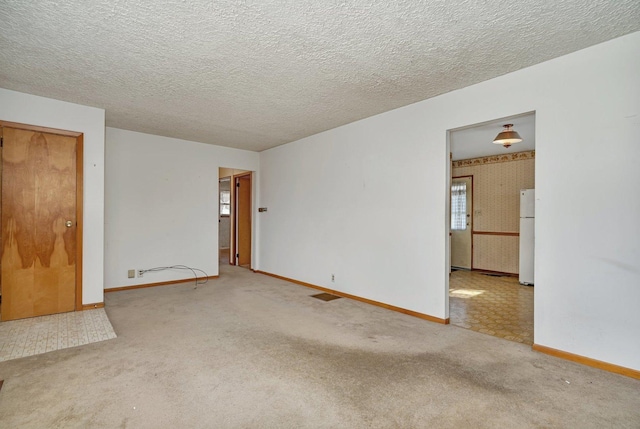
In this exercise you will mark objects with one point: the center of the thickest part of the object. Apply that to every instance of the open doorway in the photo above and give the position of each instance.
(485, 290)
(234, 217)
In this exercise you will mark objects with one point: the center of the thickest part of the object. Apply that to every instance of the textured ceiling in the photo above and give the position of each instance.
(257, 74)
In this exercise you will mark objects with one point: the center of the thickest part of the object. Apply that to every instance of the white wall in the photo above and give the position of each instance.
(45, 112)
(331, 198)
(161, 199)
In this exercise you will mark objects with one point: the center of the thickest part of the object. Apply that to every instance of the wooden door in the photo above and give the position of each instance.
(461, 234)
(38, 254)
(243, 219)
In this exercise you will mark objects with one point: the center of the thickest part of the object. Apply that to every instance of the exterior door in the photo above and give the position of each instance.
(243, 219)
(461, 222)
(38, 254)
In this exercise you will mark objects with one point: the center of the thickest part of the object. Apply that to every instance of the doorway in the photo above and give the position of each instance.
(235, 218)
(41, 235)
(484, 291)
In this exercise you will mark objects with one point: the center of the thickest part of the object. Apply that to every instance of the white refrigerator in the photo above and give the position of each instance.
(527, 234)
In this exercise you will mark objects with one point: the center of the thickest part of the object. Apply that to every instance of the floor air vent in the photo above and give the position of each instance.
(325, 296)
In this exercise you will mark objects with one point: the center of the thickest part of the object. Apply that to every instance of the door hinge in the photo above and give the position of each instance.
(238, 185)
(237, 255)
(1, 141)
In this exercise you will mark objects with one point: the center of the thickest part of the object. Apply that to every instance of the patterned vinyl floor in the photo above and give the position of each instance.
(36, 335)
(497, 306)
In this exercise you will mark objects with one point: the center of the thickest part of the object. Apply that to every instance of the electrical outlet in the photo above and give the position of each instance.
(131, 273)
(333, 278)
(140, 273)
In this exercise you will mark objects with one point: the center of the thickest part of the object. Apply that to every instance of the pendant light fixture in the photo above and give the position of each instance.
(507, 137)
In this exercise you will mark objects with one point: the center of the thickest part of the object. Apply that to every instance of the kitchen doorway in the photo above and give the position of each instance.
(484, 291)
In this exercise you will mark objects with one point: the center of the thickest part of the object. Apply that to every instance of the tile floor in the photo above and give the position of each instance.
(498, 306)
(36, 335)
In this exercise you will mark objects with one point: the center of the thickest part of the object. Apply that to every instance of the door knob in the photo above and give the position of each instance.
(68, 224)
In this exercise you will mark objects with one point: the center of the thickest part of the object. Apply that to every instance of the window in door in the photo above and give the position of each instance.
(225, 203)
(459, 206)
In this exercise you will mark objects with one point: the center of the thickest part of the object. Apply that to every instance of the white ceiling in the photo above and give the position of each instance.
(477, 140)
(257, 74)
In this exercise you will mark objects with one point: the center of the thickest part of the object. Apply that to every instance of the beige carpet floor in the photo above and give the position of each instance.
(250, 351)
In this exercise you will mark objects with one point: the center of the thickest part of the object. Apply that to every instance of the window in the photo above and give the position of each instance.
(225, 203)
(459, 206)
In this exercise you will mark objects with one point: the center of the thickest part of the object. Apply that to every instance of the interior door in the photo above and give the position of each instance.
(243, 219)
(461, 223)
(38, 253)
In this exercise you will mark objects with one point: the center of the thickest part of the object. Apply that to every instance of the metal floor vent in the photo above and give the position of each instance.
(325, 296)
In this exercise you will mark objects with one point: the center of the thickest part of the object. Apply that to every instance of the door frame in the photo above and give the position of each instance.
(471, 221)
(79, 189)
(236, 215)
